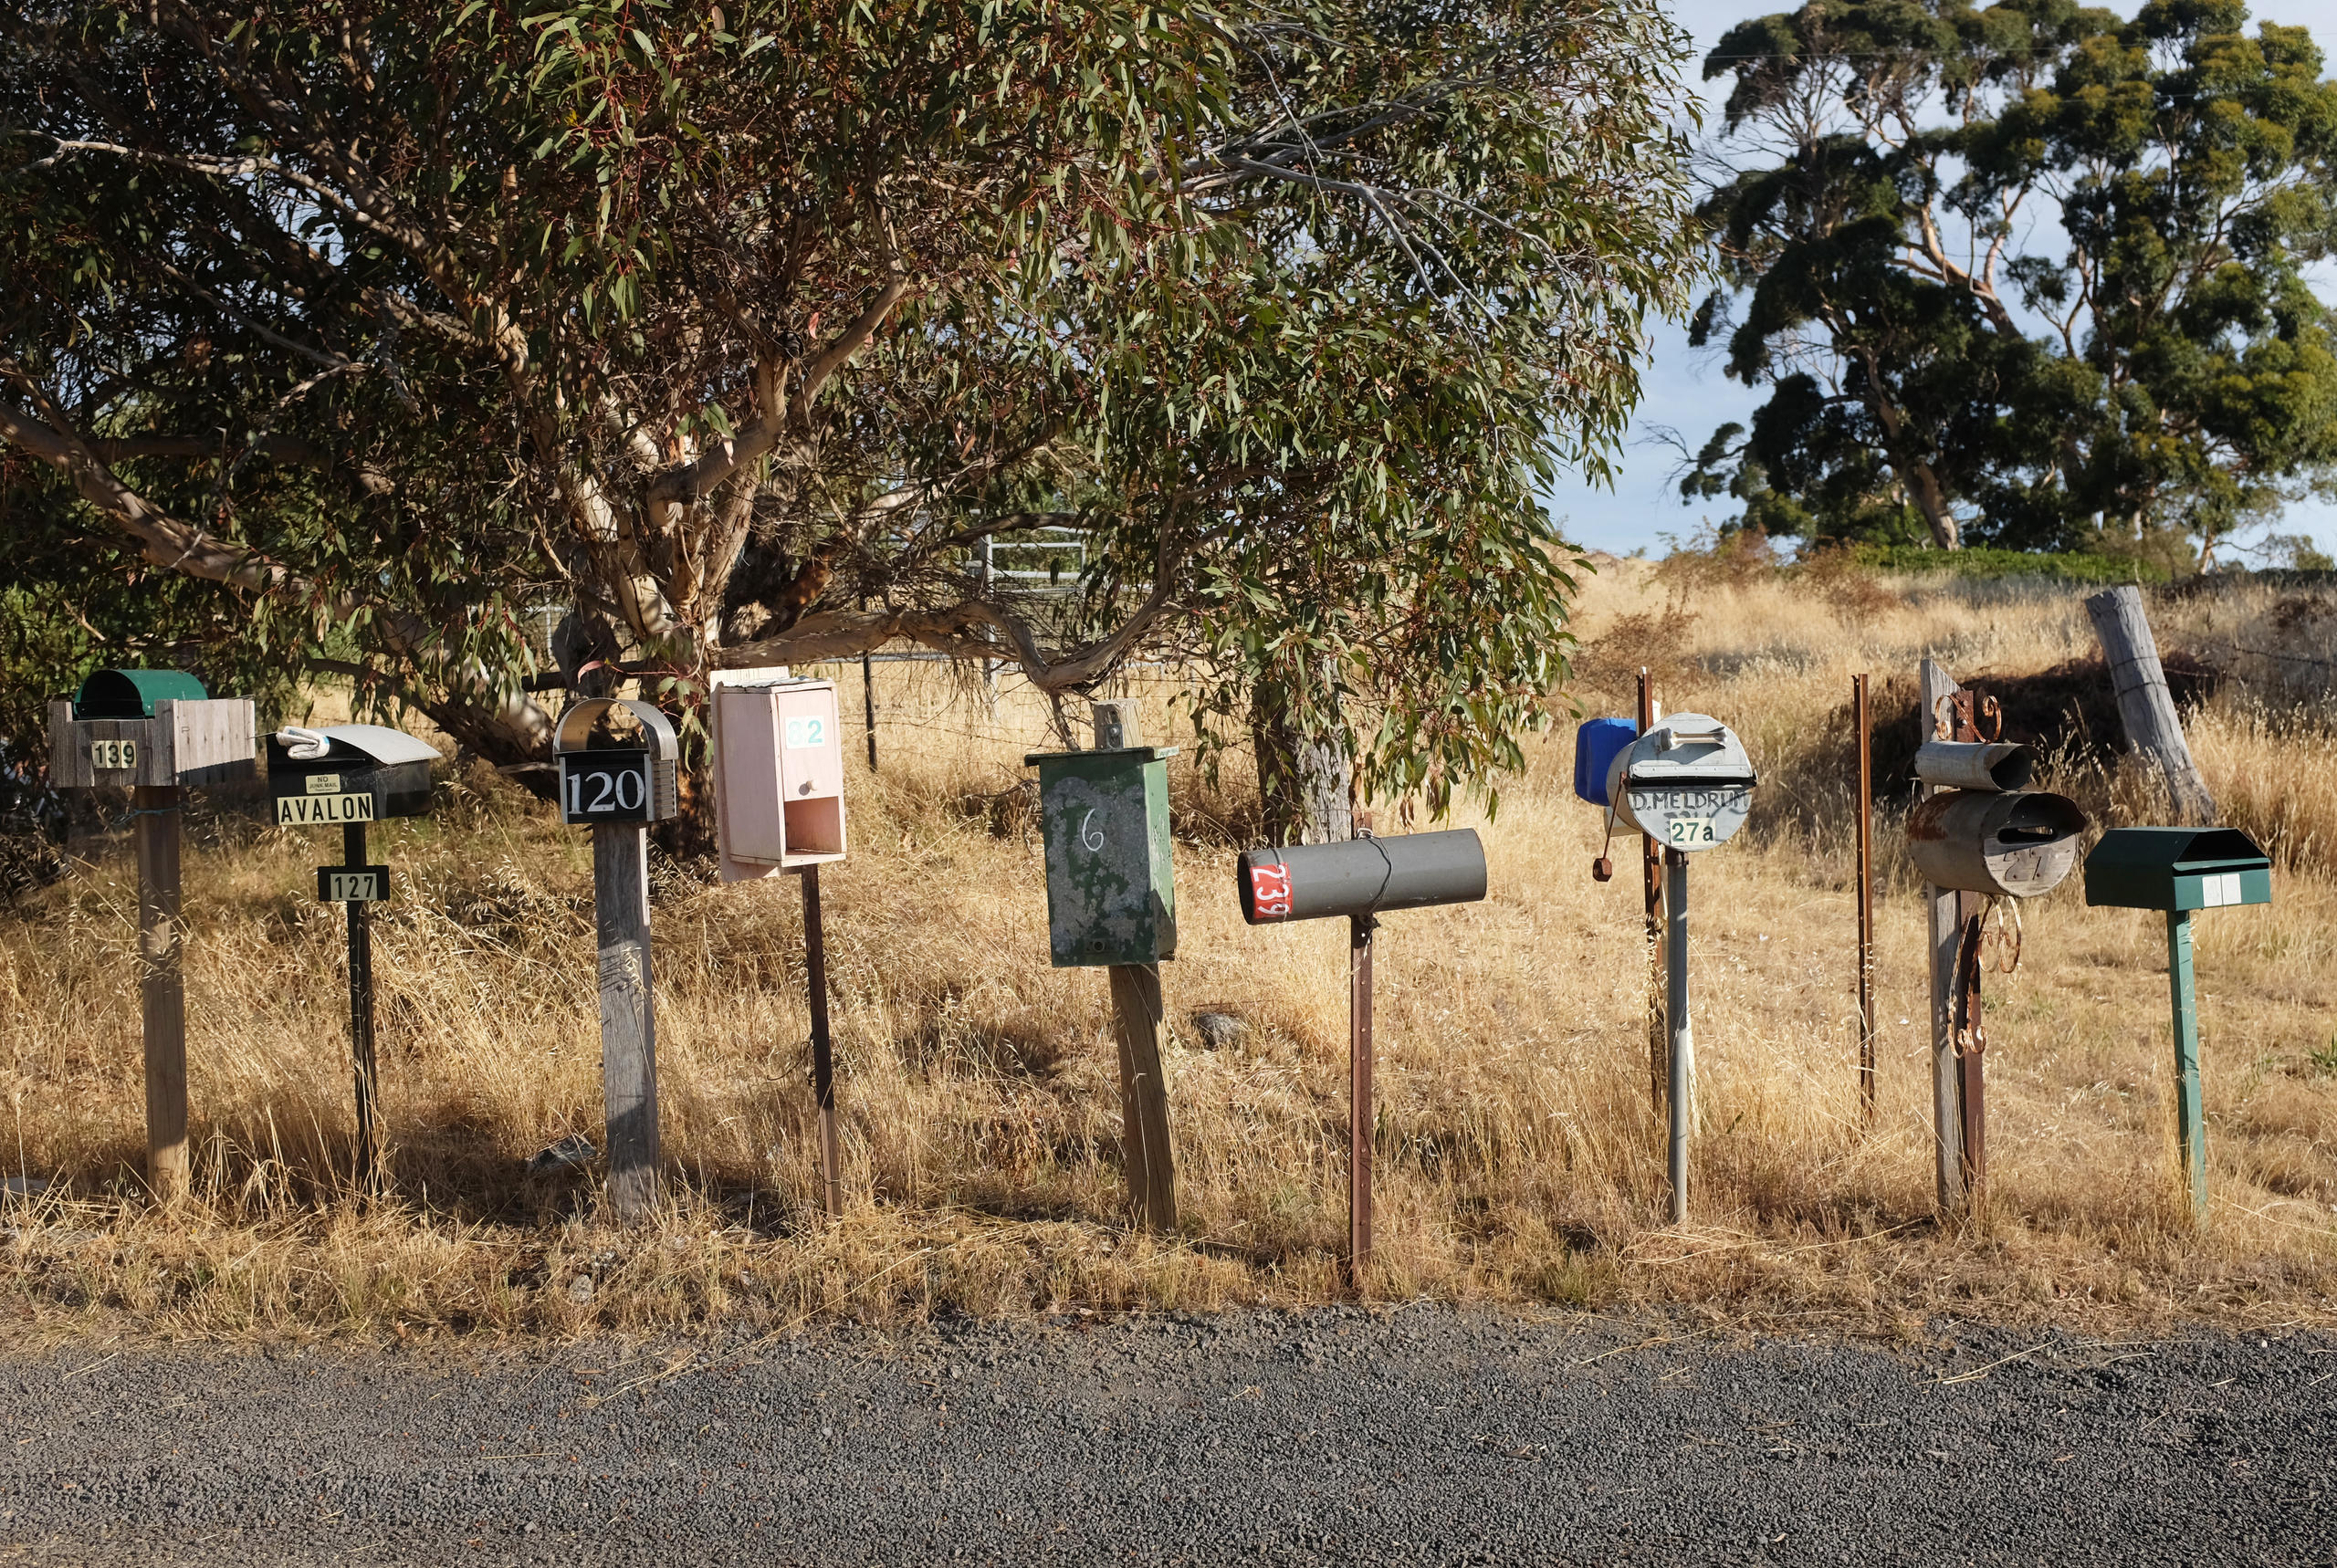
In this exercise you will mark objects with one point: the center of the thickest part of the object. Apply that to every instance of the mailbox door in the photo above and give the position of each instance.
(89, 753)
(1111, 891)
(810, 772)
(2215, 889)
(614, 784)
(747, 793)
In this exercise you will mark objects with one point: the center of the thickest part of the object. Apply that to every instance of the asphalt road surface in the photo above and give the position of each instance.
(1418, 1436)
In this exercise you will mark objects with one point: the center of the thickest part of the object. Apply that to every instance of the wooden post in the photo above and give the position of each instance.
(628, 1028)
(1863, 718)
(2190, 1117)
(1946, 934)
(360, 1010)
(1659, 1039)
(1141, 1027)
(161, 986)
(823, 1071)
(1362, 1115)
(2144, 704)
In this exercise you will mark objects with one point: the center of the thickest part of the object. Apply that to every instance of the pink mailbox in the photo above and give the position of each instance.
(778, 776)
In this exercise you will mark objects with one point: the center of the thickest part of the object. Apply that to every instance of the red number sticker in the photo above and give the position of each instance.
(1270, 892)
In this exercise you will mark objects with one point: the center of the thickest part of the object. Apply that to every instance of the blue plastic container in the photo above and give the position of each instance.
(1596, 745)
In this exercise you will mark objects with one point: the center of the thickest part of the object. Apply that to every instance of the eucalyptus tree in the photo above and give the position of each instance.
(2029, 274)
(740, 327)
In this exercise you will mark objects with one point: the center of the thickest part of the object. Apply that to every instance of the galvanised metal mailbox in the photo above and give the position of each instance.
(1361, 877)
(1104, 822)
(777, 778)
(347, 773)
(1986, 830)
(150, 728)
(154, 732)
(1687, 783)
(2178, 870)
(606, 779)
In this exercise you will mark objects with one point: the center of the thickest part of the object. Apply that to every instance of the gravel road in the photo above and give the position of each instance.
(1418, 1436)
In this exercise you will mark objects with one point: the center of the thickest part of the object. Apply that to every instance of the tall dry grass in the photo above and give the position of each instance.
(1519, 1157)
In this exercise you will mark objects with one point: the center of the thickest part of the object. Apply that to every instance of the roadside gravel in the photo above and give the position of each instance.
(1412, 1436)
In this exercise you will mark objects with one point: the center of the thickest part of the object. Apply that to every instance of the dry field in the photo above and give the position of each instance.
(1519, 1159)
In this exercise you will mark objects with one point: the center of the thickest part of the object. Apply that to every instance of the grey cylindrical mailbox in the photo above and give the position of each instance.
(1362, 876)
(2017, 844)
(1976, 765)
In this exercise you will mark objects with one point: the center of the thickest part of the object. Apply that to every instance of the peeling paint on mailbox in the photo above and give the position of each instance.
(1104, 819)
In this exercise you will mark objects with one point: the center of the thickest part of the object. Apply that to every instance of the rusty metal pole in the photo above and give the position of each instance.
(824, 1064)
(1863, 717)
(1658, 1045)
(1359, 1108)
(1971, 1045)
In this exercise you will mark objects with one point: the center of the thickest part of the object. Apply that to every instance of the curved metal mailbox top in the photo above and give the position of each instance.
(374, 742)
(132, 694)
(577, 720)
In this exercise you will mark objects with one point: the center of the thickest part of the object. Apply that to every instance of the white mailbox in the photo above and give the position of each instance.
(778, 776)
(1687, 783)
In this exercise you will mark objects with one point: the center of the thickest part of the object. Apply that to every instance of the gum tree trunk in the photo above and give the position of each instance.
(1306, 781)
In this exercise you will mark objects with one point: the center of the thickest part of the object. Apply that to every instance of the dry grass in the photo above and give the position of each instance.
(1519, 1160)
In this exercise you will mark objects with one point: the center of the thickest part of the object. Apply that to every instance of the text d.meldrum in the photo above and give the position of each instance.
(324, 811)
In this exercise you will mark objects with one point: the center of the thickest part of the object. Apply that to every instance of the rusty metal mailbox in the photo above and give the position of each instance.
(777, 778)
(1985, 830)
(154, 728)
(1104, 821)
(605, 777)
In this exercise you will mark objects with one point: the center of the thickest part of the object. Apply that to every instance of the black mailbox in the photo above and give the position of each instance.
(606, 779)
(1362, 876)
(347, 773)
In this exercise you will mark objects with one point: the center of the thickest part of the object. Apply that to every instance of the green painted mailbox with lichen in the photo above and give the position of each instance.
(1104, 819)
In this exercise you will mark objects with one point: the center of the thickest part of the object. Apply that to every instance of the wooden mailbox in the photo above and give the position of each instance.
(777, 778)
(151, 729)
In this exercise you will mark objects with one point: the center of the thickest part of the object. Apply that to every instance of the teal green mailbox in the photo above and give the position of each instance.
(2178, 870)
(1103, 820)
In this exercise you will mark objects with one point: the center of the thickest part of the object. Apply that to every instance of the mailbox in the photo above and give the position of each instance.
(1687, 783)
(1974, 765)
(2017, 844)
(607, 777)
(2177, 869)
(1104, 822)
(1361, 877)
(347, 773)
(151, 727)
(778, 776)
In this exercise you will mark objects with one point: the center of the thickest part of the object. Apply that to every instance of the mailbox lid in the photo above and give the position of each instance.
(132, 694)
(1111, 883)
(2177, 869)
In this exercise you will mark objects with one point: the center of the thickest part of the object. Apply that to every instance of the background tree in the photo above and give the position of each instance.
(2027, 273)
(739, 328)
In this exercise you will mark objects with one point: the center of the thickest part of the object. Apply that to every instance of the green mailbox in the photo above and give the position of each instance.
(1104, 819)
(2178, 870)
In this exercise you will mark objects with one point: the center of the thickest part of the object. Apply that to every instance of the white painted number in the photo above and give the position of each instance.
(109, 755)
(1687, 831)
(610, 792)
(1091, 837)
(803, 732)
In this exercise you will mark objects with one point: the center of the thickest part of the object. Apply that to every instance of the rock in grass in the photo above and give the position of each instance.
(1218, 1030)
(580, 1289)
(572, 1153)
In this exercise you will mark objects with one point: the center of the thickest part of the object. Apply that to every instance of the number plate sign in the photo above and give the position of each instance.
(112, 755)
(612, 786)
(327, 799)
(1270, 892)
(1688, 816)
(353, 883)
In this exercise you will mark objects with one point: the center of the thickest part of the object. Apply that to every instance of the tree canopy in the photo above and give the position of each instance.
(739, 328)
(2027, 273)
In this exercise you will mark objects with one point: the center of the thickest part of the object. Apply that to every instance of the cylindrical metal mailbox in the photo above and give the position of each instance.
(1362, 876)
(1976, 765)
(2017, 844)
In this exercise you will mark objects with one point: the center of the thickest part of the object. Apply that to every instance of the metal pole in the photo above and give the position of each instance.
(1659, 1046)
(1864, 720)
(1971, 1044)
(161, 986)
(361, 1008)
(824, 1069)
(2190, 1115)
(869, 702)
(1359, 1108)
(1675, 1007)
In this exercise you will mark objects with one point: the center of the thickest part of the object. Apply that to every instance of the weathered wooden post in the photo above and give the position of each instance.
(1361, 880)
(1864, 722)
(156, 732)
(2145, 706)
(2179, 870)
(346, 776)
(618, 773)
(778, 809)
(1980, 834)
(1112, 902)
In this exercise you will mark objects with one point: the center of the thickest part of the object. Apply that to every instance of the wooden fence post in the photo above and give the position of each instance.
(162, 985)
(628, 1027)
(1947, 936)
(2144, 704)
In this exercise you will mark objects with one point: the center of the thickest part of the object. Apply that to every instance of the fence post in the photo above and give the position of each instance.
(1946, 930)
(1863, 717)
(162, 985)
(2145, 706)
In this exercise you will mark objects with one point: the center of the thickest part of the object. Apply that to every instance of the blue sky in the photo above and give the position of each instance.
(1685, 391)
